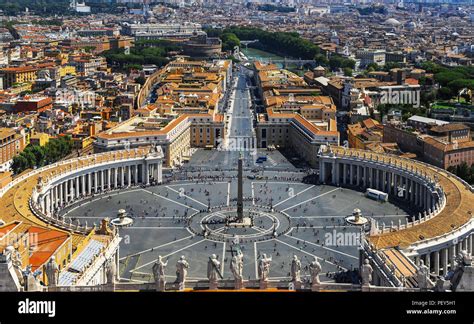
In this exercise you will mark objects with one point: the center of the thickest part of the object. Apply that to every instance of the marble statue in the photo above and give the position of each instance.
(30, 279)
(182, 267)
(295, 269)
(423, 276)
(111, 271)
(15, 257)
(159, 273)
(463, 272)
(159, 269)
(51, 270)
(465, 258)
(213, 272)
(366, 273)
(315, 270)
(237, 266)
(264, 267)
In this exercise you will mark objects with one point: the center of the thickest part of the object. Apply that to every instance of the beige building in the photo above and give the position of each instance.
(176, 137)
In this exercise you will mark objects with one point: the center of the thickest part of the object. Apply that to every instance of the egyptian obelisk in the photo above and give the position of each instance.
(240, 184)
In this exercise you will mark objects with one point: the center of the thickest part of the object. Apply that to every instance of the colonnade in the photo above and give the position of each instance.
(98, 179)
(401, 183)
(441, 260)
(414, 188)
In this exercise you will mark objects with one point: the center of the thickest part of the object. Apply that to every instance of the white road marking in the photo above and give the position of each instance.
(194, 184)
(84, 202)
(281, 182)
(157, 247)
(342, 216)
(228, 193)
(323, 247)
(165, 198)
(303, 251)
(294, 247)
(167, 255)
(281, 202)
(187, 197)
(303, 202)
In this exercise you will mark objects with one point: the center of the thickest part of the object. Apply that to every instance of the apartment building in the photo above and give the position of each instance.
(176, 136)
(18, 75)
(296, 116)
(11, 144)
(439, 143)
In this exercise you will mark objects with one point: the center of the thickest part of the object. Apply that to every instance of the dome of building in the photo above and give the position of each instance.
(411, 25)
(392, 22)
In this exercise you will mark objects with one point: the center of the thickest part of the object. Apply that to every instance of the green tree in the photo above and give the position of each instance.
(462, 171)
(39, 154)
(373, 67)
(229, 41)
(30, 158)
(321, 59)
(140, 80)
(347, 71)
(19, 164)
(391, 65)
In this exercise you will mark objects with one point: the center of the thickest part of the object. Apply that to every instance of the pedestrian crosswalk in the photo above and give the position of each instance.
(271, 161)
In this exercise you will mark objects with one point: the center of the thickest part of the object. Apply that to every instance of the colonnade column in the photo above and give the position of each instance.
(452, 255)
(102, 180)
(60, 190)
(444, 261)
(56, 198)
(334, 173)
(344, 173)
(68, 190)
(469, 243)
(436, 262)
(122, 169)
(78, 191)
(47, 204)
(83, 184)
(89, 183)
(109, 178)
(116, 178)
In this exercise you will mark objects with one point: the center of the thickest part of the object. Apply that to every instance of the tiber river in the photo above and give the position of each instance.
(256, 54)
